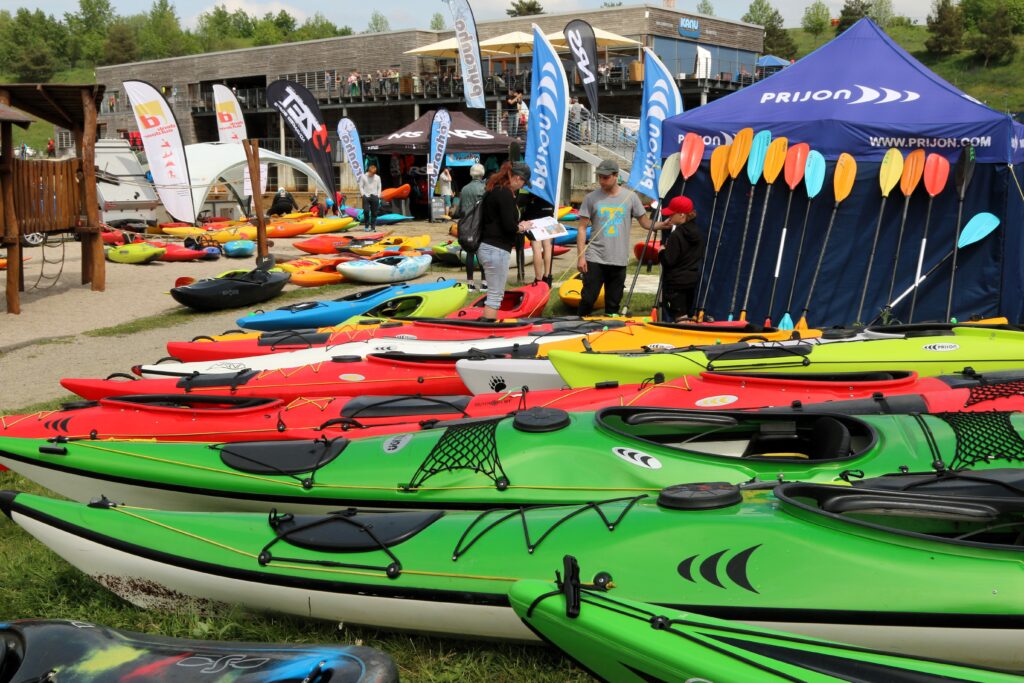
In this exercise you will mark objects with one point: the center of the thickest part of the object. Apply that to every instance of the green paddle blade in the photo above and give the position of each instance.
(978, 228)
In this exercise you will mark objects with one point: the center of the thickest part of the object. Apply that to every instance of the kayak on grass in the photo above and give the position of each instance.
(792, 557)
(523, 302)
(80, 652)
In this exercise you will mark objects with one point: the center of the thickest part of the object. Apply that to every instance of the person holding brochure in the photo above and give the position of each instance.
(531, 208)
(500, 226)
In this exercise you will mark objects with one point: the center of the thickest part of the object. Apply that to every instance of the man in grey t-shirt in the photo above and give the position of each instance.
(611, 210)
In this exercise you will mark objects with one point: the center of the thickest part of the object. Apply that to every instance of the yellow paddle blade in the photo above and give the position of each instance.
(719, 166)
(739, 151)
(913, 169)
(845, 174)
(891, 171)
(775, 159)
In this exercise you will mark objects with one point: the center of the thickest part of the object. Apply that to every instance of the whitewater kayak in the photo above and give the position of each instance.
(135, 253)
(393, 242)
(81, 652)
(386, 269)
(537, 457)
(232, 289)
(322, 313)
(629, 641)
(935, 351)
(939, 572)
(523, 302)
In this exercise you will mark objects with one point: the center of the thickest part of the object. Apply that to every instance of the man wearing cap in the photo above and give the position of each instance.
(611, 210)
(680, 256)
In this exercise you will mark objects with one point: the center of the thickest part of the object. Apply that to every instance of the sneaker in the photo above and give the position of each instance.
(470, 286)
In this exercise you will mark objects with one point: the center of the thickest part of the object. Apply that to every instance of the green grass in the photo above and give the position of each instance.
(40, 132)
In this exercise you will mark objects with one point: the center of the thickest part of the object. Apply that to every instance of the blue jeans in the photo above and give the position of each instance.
(494, 263)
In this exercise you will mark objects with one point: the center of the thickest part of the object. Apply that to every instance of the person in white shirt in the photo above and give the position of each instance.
(444, 188)
(369, 188)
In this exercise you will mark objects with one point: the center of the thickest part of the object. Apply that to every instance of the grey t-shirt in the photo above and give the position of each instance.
(612, 218)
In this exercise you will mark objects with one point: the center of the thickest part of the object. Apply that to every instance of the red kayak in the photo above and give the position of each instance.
(648, 256)
(525, 302)
(332, 244)
(174, 251)
(204, 349)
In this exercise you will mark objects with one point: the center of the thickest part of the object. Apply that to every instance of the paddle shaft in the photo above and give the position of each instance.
(920, 258)
(743, 245)
(899, 244)
(707, 248)
(718, 243)
(871, 260)
(639, 264)
(778, 258)
(799, 254)
(821, 258)
(757, 249)
(956, 252)
(917, 283)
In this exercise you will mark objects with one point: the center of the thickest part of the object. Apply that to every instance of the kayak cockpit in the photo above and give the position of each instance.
(776, 437)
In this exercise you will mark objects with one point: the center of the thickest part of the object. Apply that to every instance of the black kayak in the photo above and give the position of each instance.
(231, 290)
(80, 652)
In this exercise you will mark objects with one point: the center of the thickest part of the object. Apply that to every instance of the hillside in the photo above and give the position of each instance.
(998, 86)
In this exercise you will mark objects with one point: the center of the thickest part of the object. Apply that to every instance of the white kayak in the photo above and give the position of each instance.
(495, 375)
(320, 354)
(386, 269)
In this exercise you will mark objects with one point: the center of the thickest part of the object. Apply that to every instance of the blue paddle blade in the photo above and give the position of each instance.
(978, 228)
(786, 323)
(758, 151)
(814, 174)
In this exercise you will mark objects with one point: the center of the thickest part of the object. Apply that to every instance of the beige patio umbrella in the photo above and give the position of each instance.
(515, 42)
(605, 39)
(447, 49)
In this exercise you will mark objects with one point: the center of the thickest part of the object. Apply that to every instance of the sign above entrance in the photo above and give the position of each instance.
(689, 27)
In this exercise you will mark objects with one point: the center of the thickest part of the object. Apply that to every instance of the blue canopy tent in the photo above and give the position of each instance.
(863, 94)
(772, 60)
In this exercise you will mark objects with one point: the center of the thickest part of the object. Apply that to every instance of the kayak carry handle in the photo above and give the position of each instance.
(687, 418)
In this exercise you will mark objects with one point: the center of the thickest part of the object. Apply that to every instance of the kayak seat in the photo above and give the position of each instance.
(343, 531)
(894, 506)
(294, 338)
(829, 439)
(280, 457)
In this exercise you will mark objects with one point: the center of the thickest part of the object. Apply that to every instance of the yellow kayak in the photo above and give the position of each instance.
(394, 242)
(183, 231)
(239, 232)
(135, 253)
(332, 224)
(571, 290)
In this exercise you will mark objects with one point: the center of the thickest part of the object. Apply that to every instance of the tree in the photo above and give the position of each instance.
(122, 44)
(777, 40)
(995, 37)
(266, 32)
(852, 12)
(946, 26)
(34, 60)
(378, 23)
(706, 8)
(316, 27)
(524, 8)
(816, 19)
(87, 30)
(24, 56)
(881, 12)
(437, 22)
(975, 11)
(161, 35)
(285, 22)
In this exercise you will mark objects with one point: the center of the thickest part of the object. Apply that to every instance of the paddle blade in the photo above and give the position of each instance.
(796, 162)
(758, 151)
(786, 323)
(739, 150)
(964, 170)
(936, 173)
(691, 154)
(845, 175)
(978, 228)
(719, 166)
(775, 159)
(183, 281)
(913, 169)
(814, 173)
(669, 174)
(891, 171)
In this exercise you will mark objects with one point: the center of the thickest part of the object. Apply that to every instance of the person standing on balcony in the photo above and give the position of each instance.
(513, 101)
(576, 111)
(370, 188)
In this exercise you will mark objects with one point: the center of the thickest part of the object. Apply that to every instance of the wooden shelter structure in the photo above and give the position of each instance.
(47, 195)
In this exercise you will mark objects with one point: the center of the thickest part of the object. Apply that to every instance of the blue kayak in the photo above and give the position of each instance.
(391, 218)
(325, 313)
(570, 236)
(239, 248)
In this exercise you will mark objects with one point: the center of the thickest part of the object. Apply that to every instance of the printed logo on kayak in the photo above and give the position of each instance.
(638, 458)
(232, 367)
(659, 347)
(406, 336)
(944, 346)
(716, 401)
(351, 377)
(396, 443)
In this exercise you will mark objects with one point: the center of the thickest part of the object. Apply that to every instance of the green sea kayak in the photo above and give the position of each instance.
(627, 641)
(928, 351)
(539, 456)
(934, 573)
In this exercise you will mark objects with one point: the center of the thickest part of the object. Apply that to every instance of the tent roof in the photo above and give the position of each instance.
(12, 115)
(862, 94)
(208, 162)
(772, 60)
(55, 103)
(466, 136)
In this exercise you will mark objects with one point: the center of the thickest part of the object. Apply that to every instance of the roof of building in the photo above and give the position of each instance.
(57, 103)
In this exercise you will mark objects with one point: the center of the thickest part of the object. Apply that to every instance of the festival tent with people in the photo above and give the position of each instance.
(862, 94)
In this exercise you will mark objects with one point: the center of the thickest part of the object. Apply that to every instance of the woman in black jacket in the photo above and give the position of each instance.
(499, 226)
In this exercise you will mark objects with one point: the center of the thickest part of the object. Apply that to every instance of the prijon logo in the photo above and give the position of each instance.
(947, 346)
(658, 107)
(638, 458)
(396, 443)
(715, 401)
(867, 95)
(549, 113)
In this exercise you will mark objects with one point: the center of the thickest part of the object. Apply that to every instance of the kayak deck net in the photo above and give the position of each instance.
(991, 391)
(982, 437)
(467, 446)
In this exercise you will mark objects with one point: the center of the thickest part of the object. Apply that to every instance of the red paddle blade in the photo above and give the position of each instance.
(691, 154)
(796, 160)
(936, 173)
(183, 281)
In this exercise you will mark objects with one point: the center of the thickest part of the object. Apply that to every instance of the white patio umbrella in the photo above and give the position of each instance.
(515, 42)
(605, 39)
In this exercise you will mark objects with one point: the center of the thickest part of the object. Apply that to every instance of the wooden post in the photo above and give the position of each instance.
(10, 219)
(252, 156)
(92, 242)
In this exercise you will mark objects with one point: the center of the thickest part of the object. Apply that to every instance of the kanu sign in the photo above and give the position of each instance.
(865, 96)
(689, 27)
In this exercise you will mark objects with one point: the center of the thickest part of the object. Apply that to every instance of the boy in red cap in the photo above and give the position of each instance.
(680, 256)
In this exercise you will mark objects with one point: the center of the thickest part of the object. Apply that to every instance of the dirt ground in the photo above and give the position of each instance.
(46, 341)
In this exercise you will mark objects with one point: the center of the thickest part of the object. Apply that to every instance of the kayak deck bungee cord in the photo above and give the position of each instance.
(944, 566)
(539, 456)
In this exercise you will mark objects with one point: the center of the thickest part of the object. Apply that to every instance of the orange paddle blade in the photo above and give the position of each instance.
(183, 281)
(936, 173)
(719, 166)
(739, 150)
(845, 175)
(796, 160)
(913, 169)
(775, 159)
(691, 154)
(891, 171)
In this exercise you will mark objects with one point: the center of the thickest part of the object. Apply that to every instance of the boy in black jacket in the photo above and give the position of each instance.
(680, 256)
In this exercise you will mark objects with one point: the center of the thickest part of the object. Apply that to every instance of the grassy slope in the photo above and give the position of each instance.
(40, 132)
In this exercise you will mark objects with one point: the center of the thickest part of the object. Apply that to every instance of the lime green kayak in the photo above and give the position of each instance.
(539, 456)
(936, 353)
(932, 572)
(628, 641)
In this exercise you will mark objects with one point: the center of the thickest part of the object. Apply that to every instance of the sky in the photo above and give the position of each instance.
(416, 13)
